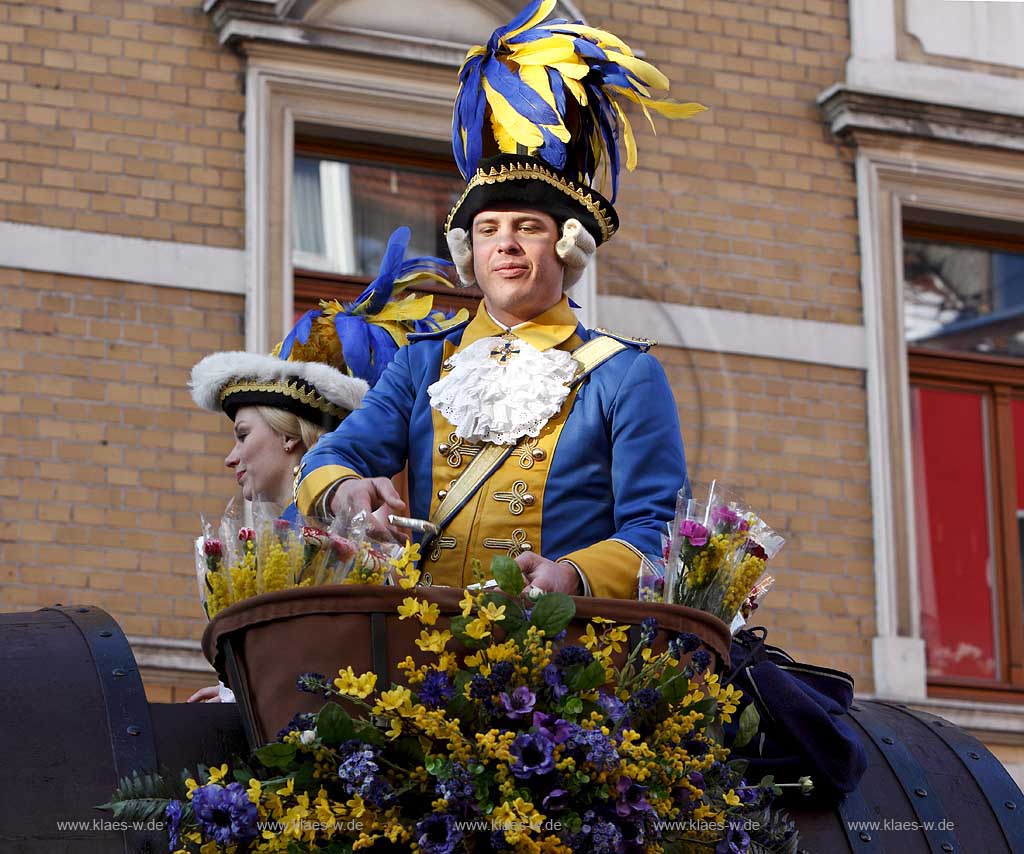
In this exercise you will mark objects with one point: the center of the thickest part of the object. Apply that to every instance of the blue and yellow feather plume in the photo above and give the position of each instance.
(557, 90)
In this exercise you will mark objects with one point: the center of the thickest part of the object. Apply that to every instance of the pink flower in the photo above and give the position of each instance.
(343, 548)
(246, 535)
(212, 548)
(725, 517)
(695, 531)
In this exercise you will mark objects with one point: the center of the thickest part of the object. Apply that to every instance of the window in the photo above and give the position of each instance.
(347, 201)
(963, 310)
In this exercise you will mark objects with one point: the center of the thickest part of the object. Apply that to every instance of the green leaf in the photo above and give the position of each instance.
(140, 797)
(573, 706)
(333, 725)
(552, 613)
(579, 678)
(277, 755)
(674, 685)
(508, 574)
(750, 720)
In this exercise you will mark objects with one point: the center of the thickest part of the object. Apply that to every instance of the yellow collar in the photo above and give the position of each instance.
(548, 329)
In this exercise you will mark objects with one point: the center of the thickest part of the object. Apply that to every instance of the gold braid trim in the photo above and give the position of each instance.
(534, 172)
(292, 390)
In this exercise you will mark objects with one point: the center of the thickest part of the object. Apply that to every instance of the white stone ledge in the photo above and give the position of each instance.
(717, 330)
(122, 259)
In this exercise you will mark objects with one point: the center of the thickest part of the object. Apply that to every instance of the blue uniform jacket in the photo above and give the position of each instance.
(596, 487)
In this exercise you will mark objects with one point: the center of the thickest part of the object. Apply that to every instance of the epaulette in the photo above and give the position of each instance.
(641, 344)
(413, 337)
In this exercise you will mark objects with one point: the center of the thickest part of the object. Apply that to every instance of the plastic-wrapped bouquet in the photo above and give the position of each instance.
(507, 736)
(238, 561)
(716, 552)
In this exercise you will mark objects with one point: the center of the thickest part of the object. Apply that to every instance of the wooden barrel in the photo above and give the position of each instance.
(930, 788)
(75, 720)
(262, 644)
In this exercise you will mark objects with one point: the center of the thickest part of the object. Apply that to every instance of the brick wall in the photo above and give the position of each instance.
(750, 206)
(122, 118)
(791, 439)
(106, 463)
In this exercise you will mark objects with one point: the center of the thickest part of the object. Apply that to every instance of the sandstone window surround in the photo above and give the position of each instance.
(917, 148)
(363, 69)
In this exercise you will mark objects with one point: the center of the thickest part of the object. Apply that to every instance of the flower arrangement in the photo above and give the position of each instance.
(275, 554)
(716, 552)
(507, 736)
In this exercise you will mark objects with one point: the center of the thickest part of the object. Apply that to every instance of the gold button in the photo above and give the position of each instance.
(444, 448)
(447, 365)
(442, 494)
(538, 454)
(526, 547)
(528, 500)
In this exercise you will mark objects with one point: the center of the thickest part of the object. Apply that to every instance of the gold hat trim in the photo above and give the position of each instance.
(534, 172)
(292, 390)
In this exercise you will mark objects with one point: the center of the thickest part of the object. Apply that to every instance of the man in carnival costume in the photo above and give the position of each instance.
(524, 433)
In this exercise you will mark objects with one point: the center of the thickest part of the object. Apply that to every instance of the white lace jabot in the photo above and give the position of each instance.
(502, 389)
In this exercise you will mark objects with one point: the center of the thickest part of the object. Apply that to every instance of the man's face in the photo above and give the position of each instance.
(515, 263)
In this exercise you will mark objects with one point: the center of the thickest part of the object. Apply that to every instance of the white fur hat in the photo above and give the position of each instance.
(313, 390)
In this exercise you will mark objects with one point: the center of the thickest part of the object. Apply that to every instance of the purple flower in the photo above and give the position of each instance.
(225, 813)
(299, 722)
(694, 531)
(457, 785)
(311, 683)
(553, 679)
(630, 797)
(519, 704)
(552, 726)
(567, 656)
(531, 754)
(436, 689)
(438, 834)
(613, 706)
(648, 630)
(736, 841)
(606, 838)
(700, 660)
(642, 707)
(173, 814)
(359, 772)
(556, 800)
(500, 675)
(696, 778)
(683, 643)
(595, 746)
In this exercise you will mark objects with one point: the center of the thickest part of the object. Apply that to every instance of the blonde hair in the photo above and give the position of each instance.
(290, 425)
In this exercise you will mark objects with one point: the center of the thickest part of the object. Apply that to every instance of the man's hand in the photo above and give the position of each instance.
(375, 496)
(548, 575)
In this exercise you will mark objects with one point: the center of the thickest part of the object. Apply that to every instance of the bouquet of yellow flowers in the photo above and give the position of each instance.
(242, 561)
(507, 736)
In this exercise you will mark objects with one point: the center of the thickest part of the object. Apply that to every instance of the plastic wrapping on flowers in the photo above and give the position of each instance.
(239, 562)
(526, 743)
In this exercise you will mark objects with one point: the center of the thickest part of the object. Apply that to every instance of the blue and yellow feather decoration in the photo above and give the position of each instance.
(558, 91)
(363, 336)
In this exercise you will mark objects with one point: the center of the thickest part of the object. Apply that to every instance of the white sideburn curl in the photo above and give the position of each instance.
(575, 248)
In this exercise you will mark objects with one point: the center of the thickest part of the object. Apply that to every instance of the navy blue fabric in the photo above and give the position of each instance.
(804, 726)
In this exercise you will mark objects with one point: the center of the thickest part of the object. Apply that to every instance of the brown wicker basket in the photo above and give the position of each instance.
(261, 645)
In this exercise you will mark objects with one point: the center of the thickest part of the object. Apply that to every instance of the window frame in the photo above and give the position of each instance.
(999, 381)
